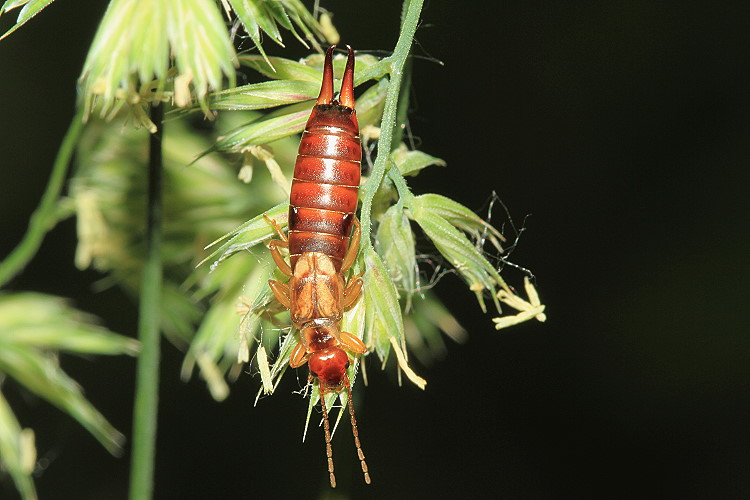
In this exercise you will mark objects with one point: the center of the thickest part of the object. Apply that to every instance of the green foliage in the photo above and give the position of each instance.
(176, 50)
(412, 162)
(383, 316)
(262, 17)
(462, 254)
(135, 44)
(220, 310)
(395, 243)
(35, 328)
(30, 9)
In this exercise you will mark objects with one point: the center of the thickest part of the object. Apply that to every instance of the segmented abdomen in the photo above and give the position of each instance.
(325, 188)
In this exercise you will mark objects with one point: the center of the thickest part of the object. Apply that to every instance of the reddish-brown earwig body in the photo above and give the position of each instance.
(323, 242)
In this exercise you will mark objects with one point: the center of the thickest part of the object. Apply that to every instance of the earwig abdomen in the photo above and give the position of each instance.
(325, 189)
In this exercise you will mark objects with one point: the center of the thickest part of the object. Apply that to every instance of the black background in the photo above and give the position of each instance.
(622, 128)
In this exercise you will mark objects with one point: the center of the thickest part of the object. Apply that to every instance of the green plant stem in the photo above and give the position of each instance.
(404, 193)
(390, 112)
(402, 110)
(147, 376)
(46, 215)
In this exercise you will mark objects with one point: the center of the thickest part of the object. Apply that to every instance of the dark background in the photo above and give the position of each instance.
(622, 128)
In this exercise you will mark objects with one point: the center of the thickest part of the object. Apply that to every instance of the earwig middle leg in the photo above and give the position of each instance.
(283, 266)
(353, 250)
(281, 292)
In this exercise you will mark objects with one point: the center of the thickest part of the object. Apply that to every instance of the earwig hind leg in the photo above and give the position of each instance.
(353, 250)
(274, 246)
(281, 292)
(276, 227)
(352, 292)
(352, 343)
(299, 356)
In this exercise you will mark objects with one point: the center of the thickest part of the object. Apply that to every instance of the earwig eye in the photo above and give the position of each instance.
(347, 365)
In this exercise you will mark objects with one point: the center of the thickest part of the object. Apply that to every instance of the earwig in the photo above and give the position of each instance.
(323, 242)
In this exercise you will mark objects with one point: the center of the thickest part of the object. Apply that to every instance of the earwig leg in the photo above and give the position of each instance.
(276, 227)
(353, 250)
(352, 292)
(299, 356)
(352, 343)
(274, 245)
(281, 292)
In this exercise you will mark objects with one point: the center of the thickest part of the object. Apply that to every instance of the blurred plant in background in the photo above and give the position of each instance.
(34, 328)
(220, 310)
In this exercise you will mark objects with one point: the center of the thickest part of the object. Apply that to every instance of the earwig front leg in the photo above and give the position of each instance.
(353, 249)
(299, 356)
(352, 343)
(351, 292)
(281, 292)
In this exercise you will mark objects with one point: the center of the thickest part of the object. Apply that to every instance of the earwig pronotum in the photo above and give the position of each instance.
(323, 242)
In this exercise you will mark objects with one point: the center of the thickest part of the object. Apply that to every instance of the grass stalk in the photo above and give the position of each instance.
(147, 375)
(46, 216)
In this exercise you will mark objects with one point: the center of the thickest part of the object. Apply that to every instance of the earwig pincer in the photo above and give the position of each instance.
(323, 242)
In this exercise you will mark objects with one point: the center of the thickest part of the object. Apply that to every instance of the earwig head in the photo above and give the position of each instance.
(329, 366)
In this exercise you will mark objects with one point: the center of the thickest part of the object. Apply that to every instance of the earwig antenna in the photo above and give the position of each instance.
(326, 87)
(346, 96)
(327, 431)
(360, 453)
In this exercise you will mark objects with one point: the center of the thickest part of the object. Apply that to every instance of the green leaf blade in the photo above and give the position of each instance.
(42, 375)
(383, 318)
(32, 8)
(264, 95)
